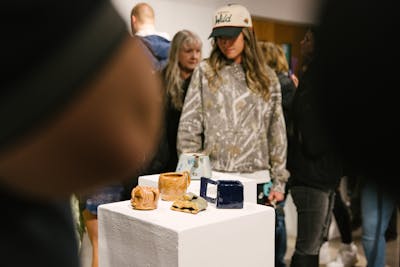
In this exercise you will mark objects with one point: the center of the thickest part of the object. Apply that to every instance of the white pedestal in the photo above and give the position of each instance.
(249, 185)
(167, 238)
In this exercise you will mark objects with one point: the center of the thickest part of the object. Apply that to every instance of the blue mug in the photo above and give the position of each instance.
(229, 193)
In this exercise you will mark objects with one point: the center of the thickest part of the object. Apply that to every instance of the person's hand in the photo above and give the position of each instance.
(295, 80)
(275, 196)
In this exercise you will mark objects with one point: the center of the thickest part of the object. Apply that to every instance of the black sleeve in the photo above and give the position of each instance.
(313, 135)
(288, 89)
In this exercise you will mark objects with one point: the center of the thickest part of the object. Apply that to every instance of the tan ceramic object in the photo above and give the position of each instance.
(145, 197)
(173, 185)
(190, 203)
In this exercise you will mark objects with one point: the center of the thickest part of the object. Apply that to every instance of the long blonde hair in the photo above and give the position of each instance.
(275, 57)
(253, 63)
(171, 73)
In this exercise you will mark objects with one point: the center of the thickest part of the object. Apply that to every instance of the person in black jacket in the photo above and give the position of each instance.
(314, 164)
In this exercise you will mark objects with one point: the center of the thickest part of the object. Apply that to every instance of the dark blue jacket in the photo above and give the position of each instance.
(159, 49)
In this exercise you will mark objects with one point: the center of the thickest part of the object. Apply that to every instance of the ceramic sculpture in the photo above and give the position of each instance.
(197, 164)
(144, 197)
(190, 203)
(229, 193)
(173, 185)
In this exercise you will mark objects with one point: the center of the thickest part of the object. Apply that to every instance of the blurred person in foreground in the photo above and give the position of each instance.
(79, 107)
(358, 66)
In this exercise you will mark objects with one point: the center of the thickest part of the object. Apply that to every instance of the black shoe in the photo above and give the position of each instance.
(304, 260)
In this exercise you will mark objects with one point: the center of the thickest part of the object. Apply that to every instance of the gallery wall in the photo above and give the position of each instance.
(196, 15)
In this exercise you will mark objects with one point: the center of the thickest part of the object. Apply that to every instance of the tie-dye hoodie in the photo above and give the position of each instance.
(237, 128)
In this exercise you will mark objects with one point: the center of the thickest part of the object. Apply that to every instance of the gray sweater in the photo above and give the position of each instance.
(239, 130)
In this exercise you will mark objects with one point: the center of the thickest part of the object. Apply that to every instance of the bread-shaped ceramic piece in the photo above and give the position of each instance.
(144, 197)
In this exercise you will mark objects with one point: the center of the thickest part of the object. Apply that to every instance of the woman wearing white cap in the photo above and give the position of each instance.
(232, 109)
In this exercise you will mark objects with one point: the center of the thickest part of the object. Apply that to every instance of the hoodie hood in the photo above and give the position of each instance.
(159, 47)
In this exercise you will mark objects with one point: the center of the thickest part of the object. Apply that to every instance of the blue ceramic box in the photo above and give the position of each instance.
(229, 193)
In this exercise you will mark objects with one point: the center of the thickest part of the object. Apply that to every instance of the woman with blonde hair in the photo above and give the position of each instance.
(275, 58)
(184, 57)
(232, 110)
